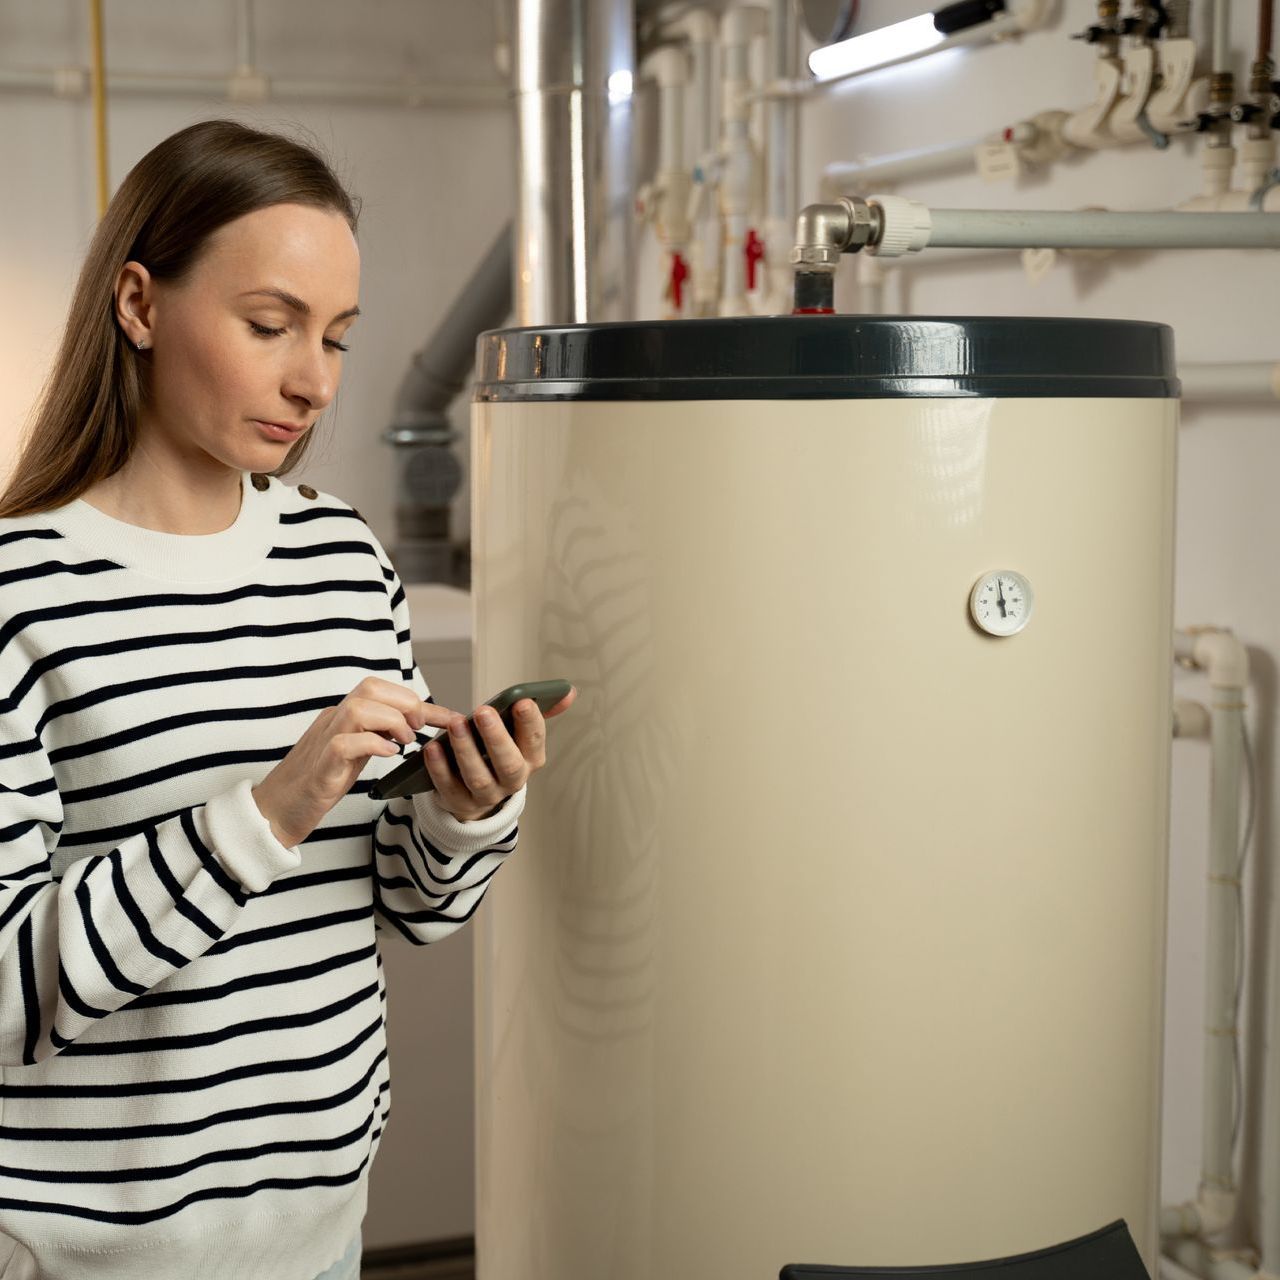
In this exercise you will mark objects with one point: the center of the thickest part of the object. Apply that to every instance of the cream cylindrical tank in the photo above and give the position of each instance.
(836, 930)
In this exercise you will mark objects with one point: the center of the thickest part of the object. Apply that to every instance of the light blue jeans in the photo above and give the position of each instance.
(347, 1267)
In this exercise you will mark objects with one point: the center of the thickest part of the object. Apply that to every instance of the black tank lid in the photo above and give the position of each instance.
(827, 357)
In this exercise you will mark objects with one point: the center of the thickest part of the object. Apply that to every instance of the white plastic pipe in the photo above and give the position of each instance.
(738, 177)
(1224, 658)
(1231, 382)
(73, 82)
(700, 28)
(846, 177)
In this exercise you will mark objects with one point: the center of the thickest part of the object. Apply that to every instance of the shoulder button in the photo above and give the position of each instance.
(306, 490)
(260, 482)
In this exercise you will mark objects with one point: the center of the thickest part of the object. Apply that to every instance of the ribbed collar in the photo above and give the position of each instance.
(179, 557)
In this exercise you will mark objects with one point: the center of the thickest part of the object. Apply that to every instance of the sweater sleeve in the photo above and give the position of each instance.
(75, 948)
(430, 870)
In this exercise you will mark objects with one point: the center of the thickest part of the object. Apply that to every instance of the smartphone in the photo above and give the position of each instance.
(410, 776)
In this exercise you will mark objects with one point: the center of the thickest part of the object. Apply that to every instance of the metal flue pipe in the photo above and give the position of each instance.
(574, 72)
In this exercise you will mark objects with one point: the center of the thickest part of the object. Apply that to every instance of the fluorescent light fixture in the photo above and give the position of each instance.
(903, 40)
(962, 22)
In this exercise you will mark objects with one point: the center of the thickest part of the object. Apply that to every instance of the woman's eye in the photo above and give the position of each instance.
(264, 331)
(335, 344)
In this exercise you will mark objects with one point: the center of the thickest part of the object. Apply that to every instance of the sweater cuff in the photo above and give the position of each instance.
(457, 839)
(242, 841)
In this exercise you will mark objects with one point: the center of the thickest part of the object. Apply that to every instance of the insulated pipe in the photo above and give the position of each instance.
(1231, 382)
(575, 63)
(1090, 229)
(438, 371)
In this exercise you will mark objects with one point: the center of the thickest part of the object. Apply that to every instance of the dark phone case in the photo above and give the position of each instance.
(410, 776)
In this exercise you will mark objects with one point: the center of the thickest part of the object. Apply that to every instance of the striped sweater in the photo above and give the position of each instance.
(193, 1068)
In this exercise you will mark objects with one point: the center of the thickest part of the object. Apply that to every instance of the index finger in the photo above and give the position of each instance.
(406, 701)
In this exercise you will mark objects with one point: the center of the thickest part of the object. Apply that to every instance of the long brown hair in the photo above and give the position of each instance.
(84, 426)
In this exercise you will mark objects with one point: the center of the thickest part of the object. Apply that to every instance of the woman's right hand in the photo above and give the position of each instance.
(321, 768)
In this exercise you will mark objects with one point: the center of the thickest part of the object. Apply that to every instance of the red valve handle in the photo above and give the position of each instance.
(754, 249)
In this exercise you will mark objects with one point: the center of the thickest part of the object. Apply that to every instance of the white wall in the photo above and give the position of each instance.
(1221, 305)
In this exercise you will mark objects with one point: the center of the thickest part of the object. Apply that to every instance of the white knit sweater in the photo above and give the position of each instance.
(193, 1069)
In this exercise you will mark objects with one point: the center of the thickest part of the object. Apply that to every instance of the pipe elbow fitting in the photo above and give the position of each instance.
(1213, 1210)
(825, 231)
(1220, 653)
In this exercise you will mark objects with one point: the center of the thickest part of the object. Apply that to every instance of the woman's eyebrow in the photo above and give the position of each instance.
(292, 300)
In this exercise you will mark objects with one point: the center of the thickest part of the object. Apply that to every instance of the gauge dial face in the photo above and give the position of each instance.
(1001, 602)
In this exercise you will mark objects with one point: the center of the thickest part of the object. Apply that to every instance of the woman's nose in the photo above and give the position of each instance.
(311, 378)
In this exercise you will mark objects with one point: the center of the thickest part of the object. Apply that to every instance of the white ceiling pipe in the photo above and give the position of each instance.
(73, 82)
(1239, 381)
(848, 176)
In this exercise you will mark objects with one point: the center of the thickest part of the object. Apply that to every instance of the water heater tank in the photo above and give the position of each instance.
(836, 931)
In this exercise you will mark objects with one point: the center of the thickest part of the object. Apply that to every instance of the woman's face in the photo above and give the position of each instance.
(251, 336)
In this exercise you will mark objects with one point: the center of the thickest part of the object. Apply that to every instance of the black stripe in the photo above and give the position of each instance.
(105, 960)
(210, 1193)
(30, 996)
(318, 879)
(31, 746)
(19, 535)
(205, 640)
(140, 922)
(176, 891)
(288, 929)
(392, 819)
(18, 901)
(71, 997)
(10, 835)
(252, 981)
(50, 568)
(184, 1128)
(80, 610)
(202, 1039)
(179, 769)
(169, 683)
(316, 550)
(403, 930)
(212, 866)
(426, 916)
(167, 724)
(147, 1088)
(306, 514)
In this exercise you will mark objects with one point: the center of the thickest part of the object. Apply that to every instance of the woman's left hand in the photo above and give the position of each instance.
(482, 787)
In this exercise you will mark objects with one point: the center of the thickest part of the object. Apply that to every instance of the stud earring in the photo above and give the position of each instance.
(142, 345)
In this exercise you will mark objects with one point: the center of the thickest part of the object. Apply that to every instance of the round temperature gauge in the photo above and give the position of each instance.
(1001, 602)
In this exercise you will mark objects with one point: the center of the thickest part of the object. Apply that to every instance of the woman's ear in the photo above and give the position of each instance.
(134, 298)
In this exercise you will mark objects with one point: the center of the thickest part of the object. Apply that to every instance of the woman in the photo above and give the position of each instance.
(203, 671)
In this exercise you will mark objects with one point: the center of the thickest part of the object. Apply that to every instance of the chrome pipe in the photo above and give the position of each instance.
(575, 68)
